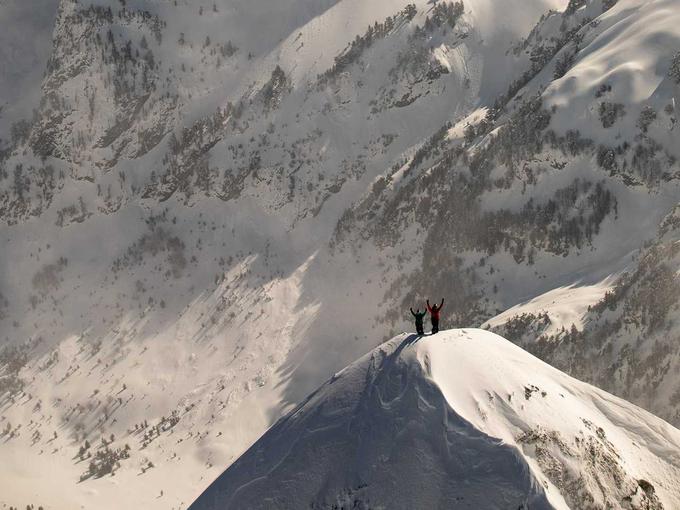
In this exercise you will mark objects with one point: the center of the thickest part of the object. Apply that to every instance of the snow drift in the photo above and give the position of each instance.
(463, 419)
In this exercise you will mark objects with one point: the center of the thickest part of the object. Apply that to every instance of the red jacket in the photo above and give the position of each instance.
(434, 310)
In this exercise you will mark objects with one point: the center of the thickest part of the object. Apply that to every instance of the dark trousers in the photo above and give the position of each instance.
(419, 328)
(435, 325)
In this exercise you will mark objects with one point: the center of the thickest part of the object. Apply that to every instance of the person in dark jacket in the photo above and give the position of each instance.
(419, 320)
(434, 314)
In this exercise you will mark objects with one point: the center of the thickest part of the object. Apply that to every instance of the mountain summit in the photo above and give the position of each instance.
(196, 197)
(463, 419)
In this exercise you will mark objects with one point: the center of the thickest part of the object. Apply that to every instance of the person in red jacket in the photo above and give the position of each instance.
(434, 314)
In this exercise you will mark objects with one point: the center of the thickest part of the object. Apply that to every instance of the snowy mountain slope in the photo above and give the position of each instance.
(522, 204)
(563, 185)
(561, 308)
(123, 82)
(167, 211)
(536, 188)
(625, 340)
(464, 418)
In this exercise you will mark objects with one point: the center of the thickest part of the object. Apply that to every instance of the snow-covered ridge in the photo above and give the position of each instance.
(466, 419)
(165, 214)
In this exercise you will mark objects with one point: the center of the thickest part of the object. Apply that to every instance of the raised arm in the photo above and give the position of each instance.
(412, 312)
(429, 308)
(442, 304)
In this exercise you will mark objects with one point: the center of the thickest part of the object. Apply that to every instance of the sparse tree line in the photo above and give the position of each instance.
(186, 169)
(638, 313)
(451, 214)
(157, 241)
(193, 170)
(13, 358)
(444, 13)
(152, 433)
(128, 71)
(28, 191)
(361, 43)
(105, 461)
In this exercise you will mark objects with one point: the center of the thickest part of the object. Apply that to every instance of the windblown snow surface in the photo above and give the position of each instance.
(463, 419)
